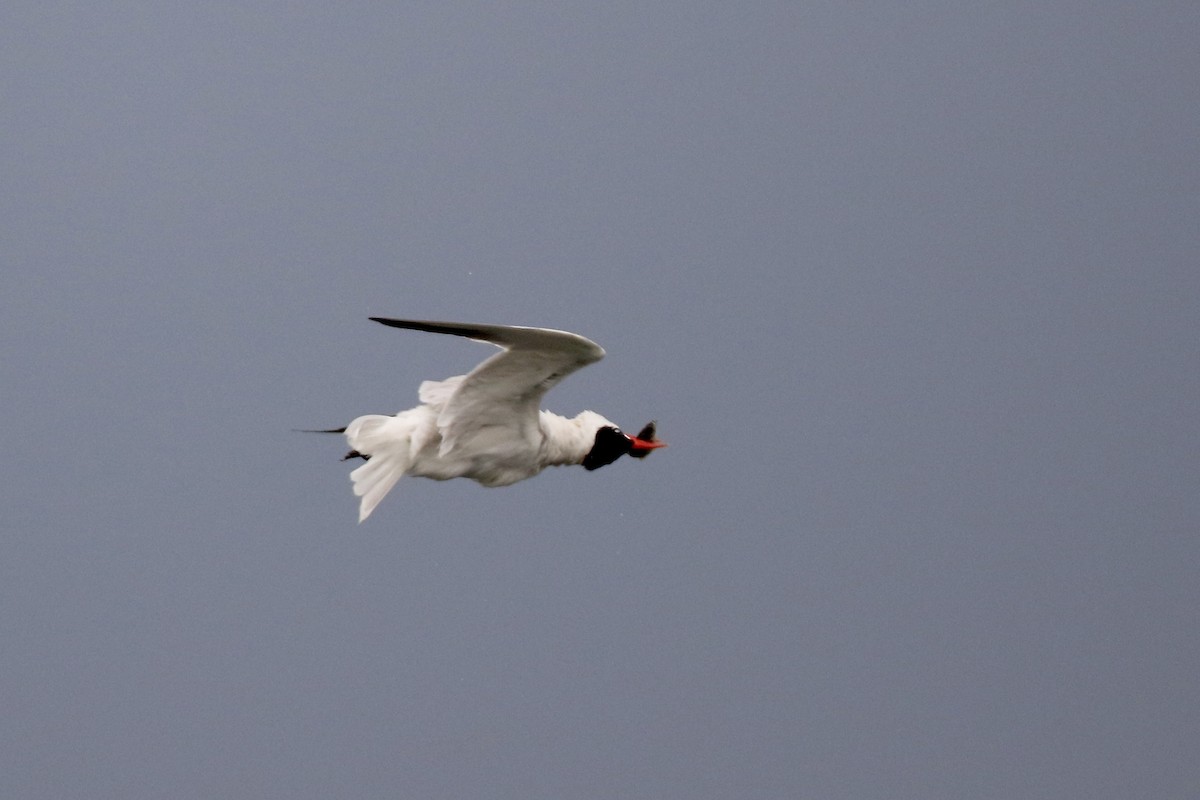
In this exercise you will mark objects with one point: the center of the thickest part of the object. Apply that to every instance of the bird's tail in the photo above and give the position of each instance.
(386, 445)
(349, 455)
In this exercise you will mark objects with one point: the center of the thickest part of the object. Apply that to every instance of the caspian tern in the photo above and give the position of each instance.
(487, 425)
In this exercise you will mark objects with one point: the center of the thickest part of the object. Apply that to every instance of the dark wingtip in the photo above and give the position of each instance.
(398, 323)
(321, 430)
(646, 434)
(393, 323)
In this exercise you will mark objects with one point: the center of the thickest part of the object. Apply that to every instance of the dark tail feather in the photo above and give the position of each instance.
(348, 456)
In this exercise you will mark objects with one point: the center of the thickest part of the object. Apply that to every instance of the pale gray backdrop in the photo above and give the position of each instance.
(912, 289)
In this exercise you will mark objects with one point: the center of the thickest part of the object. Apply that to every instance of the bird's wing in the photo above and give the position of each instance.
(500, 398)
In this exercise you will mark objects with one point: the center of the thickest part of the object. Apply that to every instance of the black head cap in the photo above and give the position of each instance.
(610, 445)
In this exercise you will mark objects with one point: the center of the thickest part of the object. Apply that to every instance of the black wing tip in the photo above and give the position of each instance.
(319, 430)
(430, 326)
(385, 321)
(395, 323)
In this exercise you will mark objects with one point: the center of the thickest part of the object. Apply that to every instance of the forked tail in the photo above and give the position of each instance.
(351, 454)
(385, 443)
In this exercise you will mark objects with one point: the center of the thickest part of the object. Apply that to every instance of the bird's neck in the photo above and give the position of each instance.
(566, 441)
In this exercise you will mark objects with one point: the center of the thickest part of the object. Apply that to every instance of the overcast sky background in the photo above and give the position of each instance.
(912, 289)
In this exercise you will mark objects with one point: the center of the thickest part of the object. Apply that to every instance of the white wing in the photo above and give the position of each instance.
(500, 398)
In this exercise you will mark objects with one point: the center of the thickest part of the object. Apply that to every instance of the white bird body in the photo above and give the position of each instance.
(486, 425)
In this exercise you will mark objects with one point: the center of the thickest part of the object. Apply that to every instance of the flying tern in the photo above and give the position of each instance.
(487, 425)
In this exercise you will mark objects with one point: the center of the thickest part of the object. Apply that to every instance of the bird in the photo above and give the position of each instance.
(488, 425)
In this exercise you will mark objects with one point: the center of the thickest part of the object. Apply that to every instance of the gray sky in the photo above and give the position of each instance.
(912, 290)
